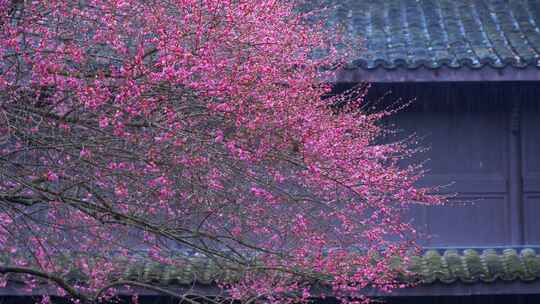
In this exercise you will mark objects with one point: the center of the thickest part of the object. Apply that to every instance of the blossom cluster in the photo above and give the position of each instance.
(150, 128)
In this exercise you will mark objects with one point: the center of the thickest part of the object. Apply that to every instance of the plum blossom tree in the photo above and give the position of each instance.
(157, 129)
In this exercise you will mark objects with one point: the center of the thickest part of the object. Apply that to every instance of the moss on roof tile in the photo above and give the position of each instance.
(443, 266)
(435, 33)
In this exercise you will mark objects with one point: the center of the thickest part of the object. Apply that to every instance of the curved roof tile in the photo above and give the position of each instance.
(435, 33)
(433, 266)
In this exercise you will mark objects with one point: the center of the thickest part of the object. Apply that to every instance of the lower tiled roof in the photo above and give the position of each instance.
(445, 266)
(433, 266)
(471, 266)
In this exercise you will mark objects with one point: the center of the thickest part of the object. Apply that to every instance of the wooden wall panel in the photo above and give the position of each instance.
(532, 218)
(531, 170)
(470, 131)
(469, 221)
(467, 150)
(467, 138)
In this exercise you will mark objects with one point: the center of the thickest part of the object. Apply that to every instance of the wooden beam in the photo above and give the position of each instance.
(442, 74)
(515, 176)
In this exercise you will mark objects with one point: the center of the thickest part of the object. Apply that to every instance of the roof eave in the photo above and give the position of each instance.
(441, 74)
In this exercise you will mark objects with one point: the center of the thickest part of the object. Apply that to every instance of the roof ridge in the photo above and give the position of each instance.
(478, 34)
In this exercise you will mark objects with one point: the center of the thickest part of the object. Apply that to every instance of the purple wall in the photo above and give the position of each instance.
(485, 139)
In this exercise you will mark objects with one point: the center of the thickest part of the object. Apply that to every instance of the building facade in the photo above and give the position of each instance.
(472, 70)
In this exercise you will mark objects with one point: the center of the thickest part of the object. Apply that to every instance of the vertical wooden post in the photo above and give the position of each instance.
(515, 179)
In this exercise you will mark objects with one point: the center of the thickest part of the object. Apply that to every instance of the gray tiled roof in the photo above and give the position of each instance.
(448, 266)
(470, 266)
(443, 266)
(435, 33)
